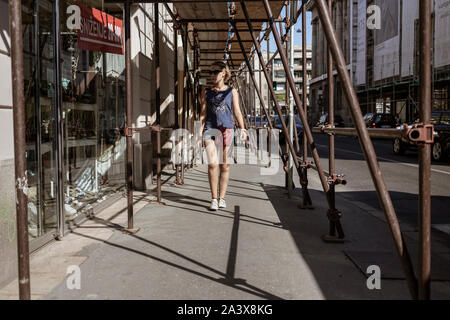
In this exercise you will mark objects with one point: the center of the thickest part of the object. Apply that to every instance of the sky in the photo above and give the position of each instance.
(297, 35)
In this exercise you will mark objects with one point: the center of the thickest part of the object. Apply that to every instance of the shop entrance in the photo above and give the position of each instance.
(74, 147)
(38, 47)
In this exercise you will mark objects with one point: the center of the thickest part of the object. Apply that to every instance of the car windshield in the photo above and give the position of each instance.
(298, 122)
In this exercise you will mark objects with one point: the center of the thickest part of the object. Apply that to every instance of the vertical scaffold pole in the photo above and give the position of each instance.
(307, 202)
(129, 123)
(367, 146)
(425, 152)
(297, 100)
(20, 164)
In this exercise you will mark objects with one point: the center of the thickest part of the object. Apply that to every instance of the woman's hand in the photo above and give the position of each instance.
(243, 134)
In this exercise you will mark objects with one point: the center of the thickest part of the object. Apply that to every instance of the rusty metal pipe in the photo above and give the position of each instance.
(367, 146)
(278, 108)
(158, 164)
(331, 153)
(175, 88)
(307, 202)
(373, 132)
(157, 101)
(129, 115)
(20, 163)
(306, 127)
(266, 113)
(157, 64)
(425, 153)
(305, 78)
(57, 114)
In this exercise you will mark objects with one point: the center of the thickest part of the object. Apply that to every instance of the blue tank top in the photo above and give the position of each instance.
(219, 109)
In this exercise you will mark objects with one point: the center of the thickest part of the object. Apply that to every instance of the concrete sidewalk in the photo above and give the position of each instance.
(261, 247)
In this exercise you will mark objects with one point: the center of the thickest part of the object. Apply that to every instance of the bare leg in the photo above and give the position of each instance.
(213, 179)
(224, 175)
(213, 167)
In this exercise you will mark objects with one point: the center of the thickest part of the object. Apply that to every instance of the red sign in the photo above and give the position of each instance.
(99, 31)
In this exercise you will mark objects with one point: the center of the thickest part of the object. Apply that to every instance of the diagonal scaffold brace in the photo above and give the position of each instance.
(275, 101)
(307, 130)
(367, 146)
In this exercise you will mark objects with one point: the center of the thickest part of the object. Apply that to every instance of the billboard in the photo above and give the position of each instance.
(442, 33)
(360, 76)
(387, 40)
(409, 15)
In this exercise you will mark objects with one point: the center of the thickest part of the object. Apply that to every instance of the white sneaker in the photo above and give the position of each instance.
(222, 203)
(214, 205)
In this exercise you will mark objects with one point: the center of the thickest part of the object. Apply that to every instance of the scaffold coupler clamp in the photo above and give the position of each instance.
(303, 179)
(329, 126)
(305, 164)
(128, 132)
(156, 128)
(419, 133)
(177, 25)
(336, 179)
(334, 215)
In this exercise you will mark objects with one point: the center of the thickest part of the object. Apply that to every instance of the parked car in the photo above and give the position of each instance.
(298, 123)
(324, 121)
(441, 147)
(380, 120)
(258, 121)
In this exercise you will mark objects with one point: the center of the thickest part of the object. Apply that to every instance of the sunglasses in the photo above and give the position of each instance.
(214, 72)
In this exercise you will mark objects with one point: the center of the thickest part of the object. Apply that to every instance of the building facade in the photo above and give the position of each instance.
(279, 76)
(383, 63)
(88, 139)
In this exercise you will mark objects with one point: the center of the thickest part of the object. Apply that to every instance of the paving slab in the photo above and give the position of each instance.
(262, 246)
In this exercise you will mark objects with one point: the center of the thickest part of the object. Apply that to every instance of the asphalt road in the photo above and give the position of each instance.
(401, 175)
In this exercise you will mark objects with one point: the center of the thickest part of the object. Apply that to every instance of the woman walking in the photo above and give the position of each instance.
(219, 104)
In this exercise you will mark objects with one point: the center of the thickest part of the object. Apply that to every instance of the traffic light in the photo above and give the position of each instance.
(275, 86)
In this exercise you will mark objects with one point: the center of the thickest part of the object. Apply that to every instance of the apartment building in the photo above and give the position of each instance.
(383, 64)
(278, 77)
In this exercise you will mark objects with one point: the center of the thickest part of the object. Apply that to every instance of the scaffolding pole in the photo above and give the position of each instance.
(425, 152)
(367, 146)
(20, 163)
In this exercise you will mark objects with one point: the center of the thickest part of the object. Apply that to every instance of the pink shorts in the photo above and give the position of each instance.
(227, 137)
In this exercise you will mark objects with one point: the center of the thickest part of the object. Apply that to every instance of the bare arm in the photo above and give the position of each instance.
(203, 109)
(237, 109)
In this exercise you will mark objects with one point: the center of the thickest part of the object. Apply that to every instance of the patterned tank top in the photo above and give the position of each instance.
(219, 109)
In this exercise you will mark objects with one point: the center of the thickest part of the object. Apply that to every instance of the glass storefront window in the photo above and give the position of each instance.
(93, 110)
(93, 84)
(38, 47)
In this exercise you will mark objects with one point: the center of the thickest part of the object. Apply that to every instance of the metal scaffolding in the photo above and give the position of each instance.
(245, 27)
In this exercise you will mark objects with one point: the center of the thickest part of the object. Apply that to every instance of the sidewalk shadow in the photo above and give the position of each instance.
(226, 278)
(365, 233)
